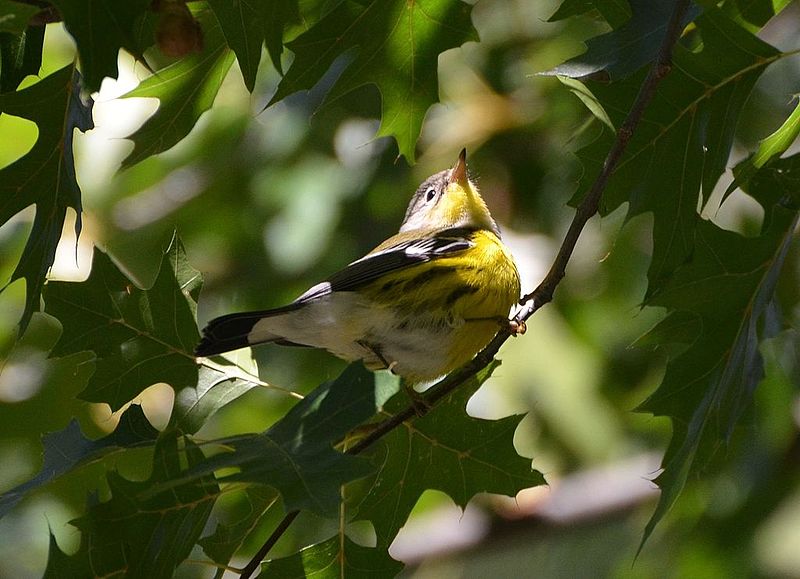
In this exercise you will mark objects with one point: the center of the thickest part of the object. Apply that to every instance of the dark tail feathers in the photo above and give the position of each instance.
(227, 333)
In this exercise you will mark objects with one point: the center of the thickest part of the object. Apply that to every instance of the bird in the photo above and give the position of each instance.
(421, 304)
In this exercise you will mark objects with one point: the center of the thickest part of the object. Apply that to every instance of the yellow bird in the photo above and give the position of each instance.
(421, 304)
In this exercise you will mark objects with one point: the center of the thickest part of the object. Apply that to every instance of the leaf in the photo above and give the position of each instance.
(756, 12)
(14, 16)
(45, 176)
(20, 56)
(394, 45)
(229, 537)
(333, 559)
(682, 144)
(768, 148)
(247, 26)
(100, 29)
(445, 450)
(777, 183)
(68, 449)
(215, 389)
(136, 537)
(185, 90)
(615, 12)
(295, 456)
(626, 49)
(140, 337)
(728, 288)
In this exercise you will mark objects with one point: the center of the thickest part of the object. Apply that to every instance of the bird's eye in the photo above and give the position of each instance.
(430, 194)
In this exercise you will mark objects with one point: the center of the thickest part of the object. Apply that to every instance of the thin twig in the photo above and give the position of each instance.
(543, 294)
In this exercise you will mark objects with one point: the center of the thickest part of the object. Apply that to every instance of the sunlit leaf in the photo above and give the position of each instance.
(68, 449)
(185, 90)
(140, 337)
(45, 176)
(249, 25)
(215, 389)
(445, 450)
(395, 46)
(333, 559)
(769, 148)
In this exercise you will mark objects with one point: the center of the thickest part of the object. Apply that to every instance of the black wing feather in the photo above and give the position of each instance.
(404, 254)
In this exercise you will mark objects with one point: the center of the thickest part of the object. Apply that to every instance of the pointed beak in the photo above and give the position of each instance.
(459, 172)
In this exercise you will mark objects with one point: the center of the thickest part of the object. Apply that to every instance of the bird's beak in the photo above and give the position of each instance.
(459, 172)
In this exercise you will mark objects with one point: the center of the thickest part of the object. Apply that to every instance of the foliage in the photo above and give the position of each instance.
(725, 295)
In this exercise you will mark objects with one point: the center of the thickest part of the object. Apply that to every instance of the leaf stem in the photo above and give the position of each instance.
(543, 294)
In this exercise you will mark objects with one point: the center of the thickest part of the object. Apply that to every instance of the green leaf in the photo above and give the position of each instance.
(215, 389)
(45, 176)
(20, 56)
(728, 288)
(185, 90)
(247, 26)
(229, 537)
(756, 12)
(682, 145)
(333, 559)
(626, 49)
(769, 148)
(445, 450)
(69, 449)
(615, 12)
(100, 29)
(394, 45)
(141, 537)
(141, 337)
(14, 16)
(295, 456)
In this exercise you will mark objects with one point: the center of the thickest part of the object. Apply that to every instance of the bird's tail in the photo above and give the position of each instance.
(235, 331)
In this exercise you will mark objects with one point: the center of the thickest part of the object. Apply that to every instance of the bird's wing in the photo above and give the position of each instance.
(405, 253)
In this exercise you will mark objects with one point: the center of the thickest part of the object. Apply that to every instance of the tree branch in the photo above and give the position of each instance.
(543, 294)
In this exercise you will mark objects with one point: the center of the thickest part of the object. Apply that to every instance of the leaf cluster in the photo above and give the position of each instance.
(718, 288)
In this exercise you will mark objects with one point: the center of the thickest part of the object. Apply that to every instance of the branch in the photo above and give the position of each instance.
(543, 294)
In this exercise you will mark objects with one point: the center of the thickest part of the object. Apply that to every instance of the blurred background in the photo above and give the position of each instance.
(268, 202)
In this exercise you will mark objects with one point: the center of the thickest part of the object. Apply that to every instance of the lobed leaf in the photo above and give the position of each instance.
(728, 288)
(394, 45)
(628, 47)
(68, 449)
(296, 455)
(682, 144)
(248, 26)
(445, 450)
(140, 337)
(185, 90)
(100, 29)
(45, 176)
(141, 537)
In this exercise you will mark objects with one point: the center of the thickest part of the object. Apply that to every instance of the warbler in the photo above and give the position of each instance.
(421, 304)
